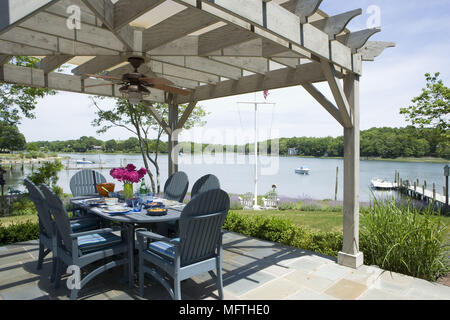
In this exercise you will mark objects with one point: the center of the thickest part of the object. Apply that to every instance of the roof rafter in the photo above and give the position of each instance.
(281, 78)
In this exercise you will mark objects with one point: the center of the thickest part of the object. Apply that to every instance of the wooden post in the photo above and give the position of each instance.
(434, 192)
(336, 187)
(350, 255)
(173, 137)
(446, 174)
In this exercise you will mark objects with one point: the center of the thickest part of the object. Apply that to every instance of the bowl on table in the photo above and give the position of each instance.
(111, 201)
(105, 188)
(153, 204)
(157, 212)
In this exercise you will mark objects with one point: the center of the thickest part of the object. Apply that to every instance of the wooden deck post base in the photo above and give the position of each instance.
(350, 260)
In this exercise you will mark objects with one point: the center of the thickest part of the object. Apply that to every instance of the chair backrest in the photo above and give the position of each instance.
(38, 198)
(176, 186)
(201, 223)
(58, 211)
(205, 183)
(84, 182)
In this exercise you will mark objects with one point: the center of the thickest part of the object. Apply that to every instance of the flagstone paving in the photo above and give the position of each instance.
(252, 269)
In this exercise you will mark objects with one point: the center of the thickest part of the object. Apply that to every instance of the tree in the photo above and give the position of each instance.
(137, 120)
(10, 137)
(17, 101)
(432, 110)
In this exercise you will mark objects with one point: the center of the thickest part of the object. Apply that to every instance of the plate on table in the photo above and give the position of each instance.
(116, 210)
(95, 202)
(157, 212)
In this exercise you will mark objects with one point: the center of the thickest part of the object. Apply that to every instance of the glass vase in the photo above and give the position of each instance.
(128, 190)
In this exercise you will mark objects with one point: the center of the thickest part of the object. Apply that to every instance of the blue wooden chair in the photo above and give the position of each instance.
(83, 248)
(84, 183)
(176, 186)
(47, 229)
(197, 250)
(205, 183)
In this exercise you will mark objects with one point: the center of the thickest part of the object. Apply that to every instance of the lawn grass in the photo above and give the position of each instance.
(7, 221)
(315, 220)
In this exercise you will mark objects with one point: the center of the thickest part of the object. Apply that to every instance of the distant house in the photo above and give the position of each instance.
(97, 148)
(292, 152)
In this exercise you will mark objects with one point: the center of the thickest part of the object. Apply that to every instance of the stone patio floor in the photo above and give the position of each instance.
(253, 269)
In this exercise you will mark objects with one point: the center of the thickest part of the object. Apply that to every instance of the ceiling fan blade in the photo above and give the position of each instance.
(103, 77)
(157, 81)
(173, 90)
(99, 85)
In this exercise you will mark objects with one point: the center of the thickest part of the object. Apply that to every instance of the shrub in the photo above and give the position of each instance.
(47, 174)
(19, 233)
(22, 206)
(236, 205)
(402, 239)
(283, 231)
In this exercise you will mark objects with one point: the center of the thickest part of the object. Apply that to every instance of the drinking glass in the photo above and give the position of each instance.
(137, 204)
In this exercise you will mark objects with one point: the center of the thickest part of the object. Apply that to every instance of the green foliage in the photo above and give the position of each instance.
(22, 206)
(283, 231)
(10, 137)
(18, 101)
(48, 174)
(18, 233)
(431, 109)
(403, 239)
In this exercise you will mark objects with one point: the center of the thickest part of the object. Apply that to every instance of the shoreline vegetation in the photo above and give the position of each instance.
(6, 159)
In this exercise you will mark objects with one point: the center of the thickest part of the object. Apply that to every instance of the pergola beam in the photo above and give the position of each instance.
(126, 11)
(176, 27)
(356, 40)
(4, 59)
(31, 77)
(278, 26)
(324, 102)
(202, 64)
(336, 24)
(187, 113)
(51, 63)
(281, 78)
(158, 117)
(302, 8)
(373, 49)
(336, 89)
(104, 10)
(13, 12)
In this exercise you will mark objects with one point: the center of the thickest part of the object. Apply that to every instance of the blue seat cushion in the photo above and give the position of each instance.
(163, 248)
(83, 225)
(98, 241)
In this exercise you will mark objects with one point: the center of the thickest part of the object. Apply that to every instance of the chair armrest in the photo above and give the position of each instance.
(79, 219)
(86, 233)
(155, 236)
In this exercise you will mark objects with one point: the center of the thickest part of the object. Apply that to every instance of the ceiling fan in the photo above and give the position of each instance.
(135, 84)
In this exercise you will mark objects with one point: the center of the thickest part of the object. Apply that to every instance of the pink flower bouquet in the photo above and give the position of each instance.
(129, 174)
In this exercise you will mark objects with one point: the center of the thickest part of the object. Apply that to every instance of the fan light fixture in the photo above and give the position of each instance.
(134, 93)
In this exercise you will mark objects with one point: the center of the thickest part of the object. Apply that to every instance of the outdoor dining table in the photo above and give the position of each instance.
(132, 220)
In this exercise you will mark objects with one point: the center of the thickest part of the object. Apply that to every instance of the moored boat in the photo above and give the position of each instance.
(302, 170)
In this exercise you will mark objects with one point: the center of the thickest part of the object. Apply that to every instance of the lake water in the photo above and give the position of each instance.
(236, 173)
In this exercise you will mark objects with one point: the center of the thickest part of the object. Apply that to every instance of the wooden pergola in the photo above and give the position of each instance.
(215, 48)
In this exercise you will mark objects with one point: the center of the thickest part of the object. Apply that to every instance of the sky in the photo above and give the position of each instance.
(420, 30)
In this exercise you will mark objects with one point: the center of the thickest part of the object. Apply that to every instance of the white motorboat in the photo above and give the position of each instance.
(378, 183)
(84, 161)
(302, 170)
